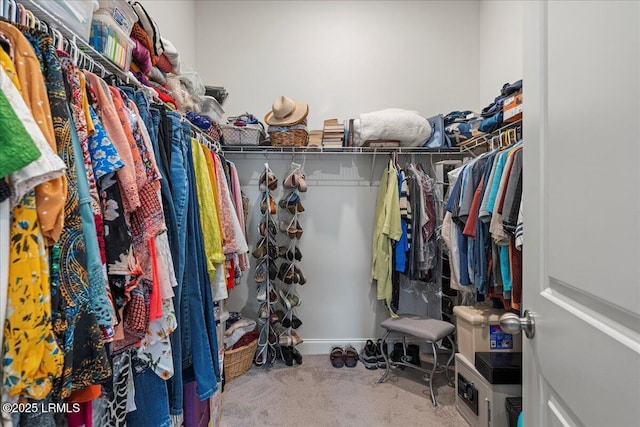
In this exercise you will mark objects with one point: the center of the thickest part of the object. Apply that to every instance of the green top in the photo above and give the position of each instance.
(17, 148)
(387, 227)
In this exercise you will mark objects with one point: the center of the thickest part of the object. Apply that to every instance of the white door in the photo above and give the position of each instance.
(582, 213)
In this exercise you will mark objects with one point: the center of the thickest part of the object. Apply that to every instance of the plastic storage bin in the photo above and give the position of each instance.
(211, 108)
(121, 12)
(74, 14)
(108, 39)
(478, 329)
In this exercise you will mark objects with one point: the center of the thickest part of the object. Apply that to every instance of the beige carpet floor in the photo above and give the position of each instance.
(316, 394)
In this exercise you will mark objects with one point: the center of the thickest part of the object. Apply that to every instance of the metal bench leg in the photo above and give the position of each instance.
(433, 371)
(386, 358)
(453, 353)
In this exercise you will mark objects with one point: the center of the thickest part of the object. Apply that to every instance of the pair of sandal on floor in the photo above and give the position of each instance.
(340, 357)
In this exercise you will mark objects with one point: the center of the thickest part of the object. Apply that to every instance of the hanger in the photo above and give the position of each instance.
(58, 39)
(103, 71)
(21, 18)
(11, 9)
(43, 26)
(91, 63)
(29, 19)
(393, 154)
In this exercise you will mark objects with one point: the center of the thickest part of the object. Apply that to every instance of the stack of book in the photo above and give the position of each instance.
(315, 138)
(332, 134)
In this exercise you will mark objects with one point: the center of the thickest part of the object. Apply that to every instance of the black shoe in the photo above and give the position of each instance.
(294, 323)
(413, 354)
(296, 355)
(287, 355)
(288, 254)
(273, 271)
(368, 355)
(397, 353)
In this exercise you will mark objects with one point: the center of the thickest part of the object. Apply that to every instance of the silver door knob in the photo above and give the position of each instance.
(512, 324)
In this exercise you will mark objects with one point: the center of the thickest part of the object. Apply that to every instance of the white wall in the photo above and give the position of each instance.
(501, 46)
(342, 58)
(175, 20)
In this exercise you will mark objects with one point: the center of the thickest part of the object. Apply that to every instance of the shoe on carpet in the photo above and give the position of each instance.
(368, 355)
(337, 357)
(350, 357)
(297, 356)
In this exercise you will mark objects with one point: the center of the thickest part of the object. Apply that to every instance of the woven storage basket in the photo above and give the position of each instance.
(242, 135)
(237, 362)
(290, 138)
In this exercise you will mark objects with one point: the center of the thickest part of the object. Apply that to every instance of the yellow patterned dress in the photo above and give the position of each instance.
(31, 356)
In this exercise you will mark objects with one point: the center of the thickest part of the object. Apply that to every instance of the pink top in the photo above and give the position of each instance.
(113, 127)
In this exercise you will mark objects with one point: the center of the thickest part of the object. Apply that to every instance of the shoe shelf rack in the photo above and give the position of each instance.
(277, 269)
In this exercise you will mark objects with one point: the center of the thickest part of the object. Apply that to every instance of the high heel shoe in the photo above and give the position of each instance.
(265, 227)
(272, 205)
(286, 273)
(299, 181)
(295, 179)
(261, 271)
(289, 301)
(270, 179)
(291, 202)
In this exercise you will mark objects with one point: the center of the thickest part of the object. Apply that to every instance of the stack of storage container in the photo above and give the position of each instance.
(110, 30)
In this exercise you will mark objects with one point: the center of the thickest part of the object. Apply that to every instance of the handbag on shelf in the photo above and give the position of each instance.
(438, 139)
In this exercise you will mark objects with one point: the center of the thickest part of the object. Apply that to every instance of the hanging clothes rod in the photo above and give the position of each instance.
(345, 150)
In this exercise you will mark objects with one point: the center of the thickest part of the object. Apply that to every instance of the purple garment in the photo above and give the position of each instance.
(142, 56)
(142, 79)
(196, 411)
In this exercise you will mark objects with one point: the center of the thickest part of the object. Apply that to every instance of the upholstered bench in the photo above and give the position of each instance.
(430, 330)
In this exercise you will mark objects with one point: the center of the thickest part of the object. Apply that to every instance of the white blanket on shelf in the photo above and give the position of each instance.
(408, 127)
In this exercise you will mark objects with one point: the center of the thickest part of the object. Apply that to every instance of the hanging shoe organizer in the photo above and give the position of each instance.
(278, 272)
(266, 271)
(289, 273)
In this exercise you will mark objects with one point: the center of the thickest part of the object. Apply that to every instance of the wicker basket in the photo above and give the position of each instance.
(238, 361)
(290, 138)
(242, 135)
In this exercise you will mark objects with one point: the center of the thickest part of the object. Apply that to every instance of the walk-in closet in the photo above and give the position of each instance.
(319, 213)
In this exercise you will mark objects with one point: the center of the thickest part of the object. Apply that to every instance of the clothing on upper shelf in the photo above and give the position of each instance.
(483, 226)
(112, 209)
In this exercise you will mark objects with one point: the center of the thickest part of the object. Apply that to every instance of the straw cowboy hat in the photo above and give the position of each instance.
(285, 111)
